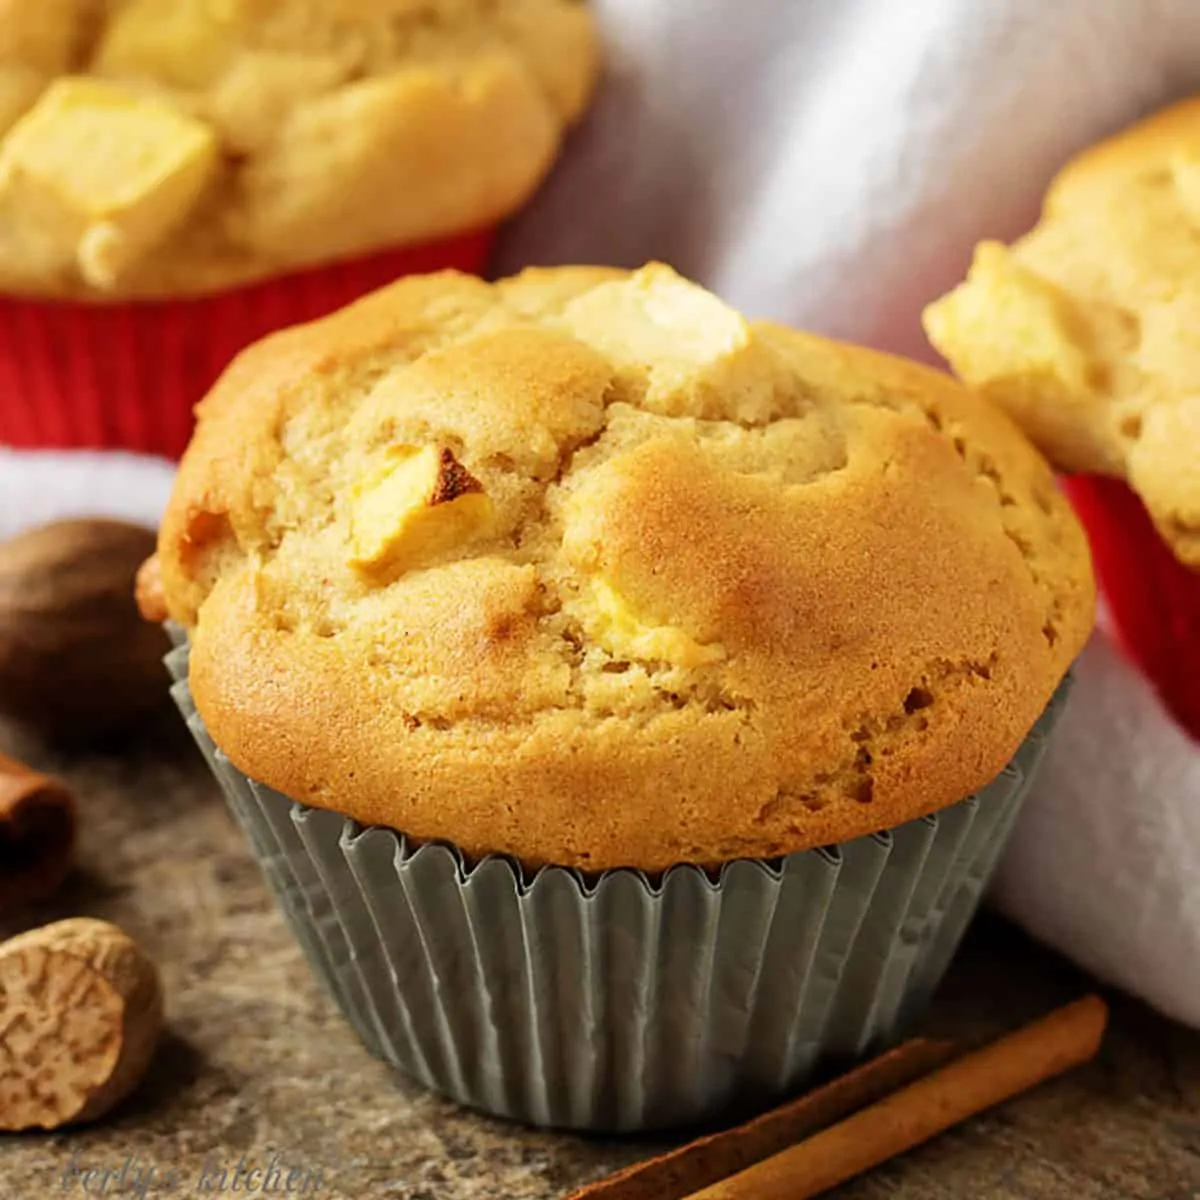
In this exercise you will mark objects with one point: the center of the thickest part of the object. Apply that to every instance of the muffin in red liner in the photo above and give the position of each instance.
(1154, 599)
(178, 180)
(82, 376)
(1084, 331)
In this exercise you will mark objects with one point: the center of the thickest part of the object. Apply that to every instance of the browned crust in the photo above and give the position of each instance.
(895, 584)
(453, 480)
(148, 591)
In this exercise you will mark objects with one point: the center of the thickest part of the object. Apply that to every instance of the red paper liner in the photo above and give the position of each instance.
(1154, 599)
(127, 376)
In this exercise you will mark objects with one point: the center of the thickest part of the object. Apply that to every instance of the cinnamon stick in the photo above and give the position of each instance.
(37, 834)
(681, 1172)
(1064, 1039)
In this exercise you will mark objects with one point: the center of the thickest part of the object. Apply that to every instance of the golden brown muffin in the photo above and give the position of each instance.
(165, 147)
(583, 567)
(1086, 328)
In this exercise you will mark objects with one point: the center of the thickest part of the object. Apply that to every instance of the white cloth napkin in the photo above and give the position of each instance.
(831, 163)
(1105, 861)
(51, 486)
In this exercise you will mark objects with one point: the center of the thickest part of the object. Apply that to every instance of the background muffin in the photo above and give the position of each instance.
(153, 150)
(583, 569)
(1084, 330)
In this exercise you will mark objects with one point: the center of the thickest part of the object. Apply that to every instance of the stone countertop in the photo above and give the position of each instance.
(258, 1068)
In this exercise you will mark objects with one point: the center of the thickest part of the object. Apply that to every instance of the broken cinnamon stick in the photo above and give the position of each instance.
(37, 834)
(1064, 1039)
(681, 1172)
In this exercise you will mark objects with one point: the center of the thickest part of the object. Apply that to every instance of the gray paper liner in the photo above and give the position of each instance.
(614, 1003)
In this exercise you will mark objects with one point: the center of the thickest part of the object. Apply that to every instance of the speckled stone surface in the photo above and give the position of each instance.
(259, 1072)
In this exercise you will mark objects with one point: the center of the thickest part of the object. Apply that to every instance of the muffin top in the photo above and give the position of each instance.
(584, 568)
(165, 147)
(1086, 328)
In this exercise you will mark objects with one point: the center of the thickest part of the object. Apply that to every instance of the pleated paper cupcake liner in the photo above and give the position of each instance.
(127, 376)
(616, 1002)
(1153, 598)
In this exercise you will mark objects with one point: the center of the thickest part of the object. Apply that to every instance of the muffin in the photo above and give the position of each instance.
(626, 701)
(1084, 330)
(180, 177)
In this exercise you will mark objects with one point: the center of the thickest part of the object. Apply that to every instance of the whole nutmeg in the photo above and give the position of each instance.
(78, 664)
(81, 1011)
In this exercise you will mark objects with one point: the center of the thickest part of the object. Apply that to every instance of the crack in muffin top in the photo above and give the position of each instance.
(584, 568)
(171, 147)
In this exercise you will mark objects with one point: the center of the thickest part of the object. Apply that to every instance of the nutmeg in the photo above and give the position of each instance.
(77, 663)
(81, 1011)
